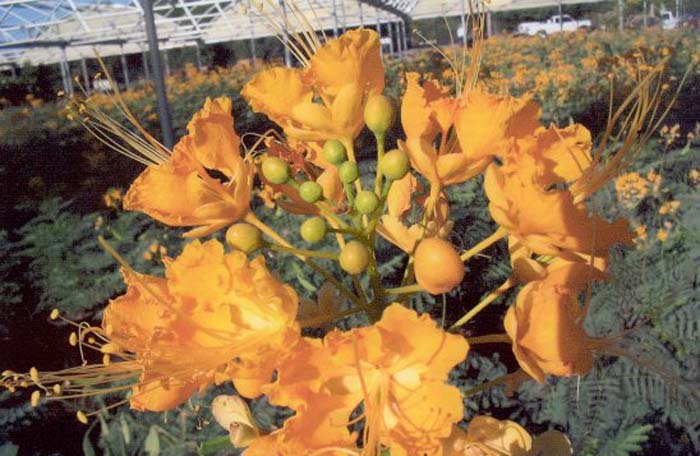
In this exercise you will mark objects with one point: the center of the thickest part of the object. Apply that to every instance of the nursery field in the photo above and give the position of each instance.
(70, 215)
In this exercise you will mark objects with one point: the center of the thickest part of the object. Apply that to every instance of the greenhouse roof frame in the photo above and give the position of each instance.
(74, 27)
(51, 31)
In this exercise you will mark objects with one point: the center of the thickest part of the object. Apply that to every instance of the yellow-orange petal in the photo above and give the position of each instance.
(401, 192)
(352, 58)
(155, 396)
(214, 142)
(276, 91)
(484, 121)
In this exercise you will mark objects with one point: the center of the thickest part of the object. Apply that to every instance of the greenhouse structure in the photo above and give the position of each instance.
(67, 32)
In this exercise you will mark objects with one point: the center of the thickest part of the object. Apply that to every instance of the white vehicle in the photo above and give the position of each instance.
(668, 20)
(553, 25)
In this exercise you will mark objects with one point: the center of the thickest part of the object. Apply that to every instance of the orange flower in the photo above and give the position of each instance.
(181, 191)
(427, 111)
(472, 130)
(353, 58)
(546, 220)
(214, 317)
(397, 368)
(546, 323)
(321, 417)
(527, 266)
(486, 436)
(342, 73)
(484, 122)
(391, 226)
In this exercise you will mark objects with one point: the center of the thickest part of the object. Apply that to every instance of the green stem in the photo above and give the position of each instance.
(483, 245)
(489, 339)
(256, 222)
(371, 227)
(358, 287)
(320, 320)
(406, 289)
(484, 303)
(380, 155)
(495, 382)
(303, 252)
(329, 214)
(350, 149)
(349, 195)
(272, 234)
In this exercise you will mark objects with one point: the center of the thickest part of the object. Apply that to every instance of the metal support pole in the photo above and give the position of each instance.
(125, 69)
(287, 54)
(86, 76)
(342, 9)
(146, 71)
(404, 38)
(463, 18)
(561, 22)
(644, 13)
(251, 24)
(391, 39)
(399, 49)
(62, 67)
(489, 25)
(67, 81)
(362, 16)
(197, 56)
(166, 63)
(163, 108)
(13, 70)
(335, 19)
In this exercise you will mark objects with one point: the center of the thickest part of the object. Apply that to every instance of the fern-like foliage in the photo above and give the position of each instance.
(643, 394)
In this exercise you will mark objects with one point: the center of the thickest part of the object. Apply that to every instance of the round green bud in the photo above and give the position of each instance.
(313, 230)
(354, 257)
(244, 237)
(366, 202)
(334, 152)
(379, 114)
(348, 172)
(310, 191)
(395, 164)
(275, 170)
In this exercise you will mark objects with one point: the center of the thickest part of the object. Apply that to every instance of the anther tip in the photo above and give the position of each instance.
(34, 374)
(35, 398)
(82, 417)
(54, 314)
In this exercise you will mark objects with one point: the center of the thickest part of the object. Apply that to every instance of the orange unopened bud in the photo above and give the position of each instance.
(438, 266)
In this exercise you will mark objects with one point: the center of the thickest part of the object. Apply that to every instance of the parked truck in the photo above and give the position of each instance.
(669, 20)
(552, 25)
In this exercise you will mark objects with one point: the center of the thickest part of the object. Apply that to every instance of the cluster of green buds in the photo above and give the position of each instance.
(364, 206)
